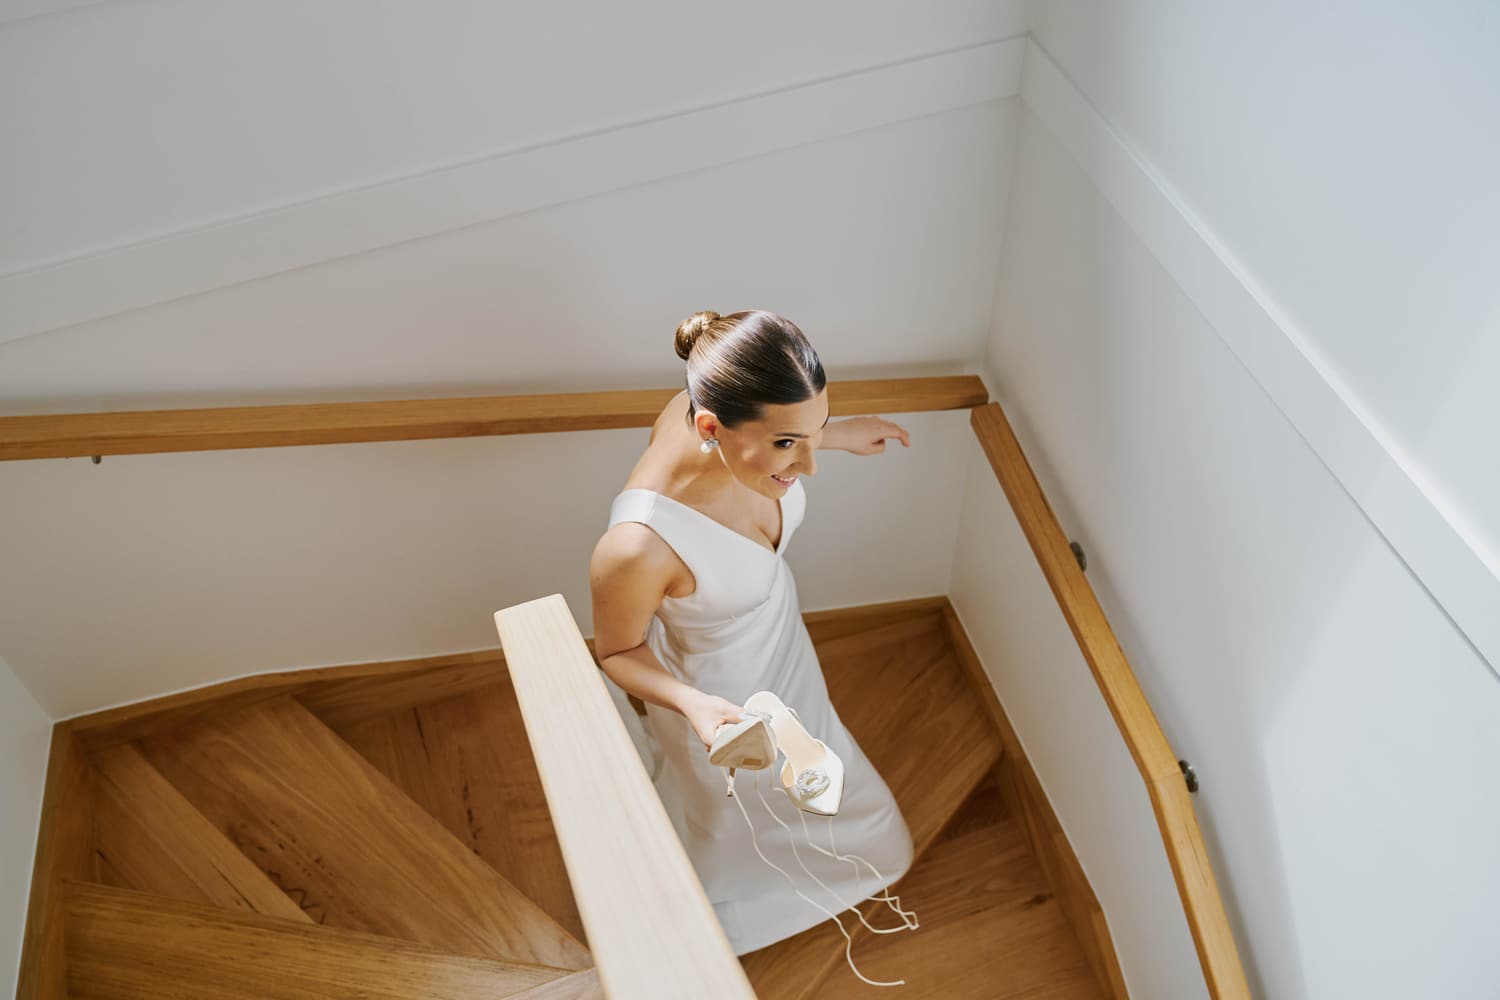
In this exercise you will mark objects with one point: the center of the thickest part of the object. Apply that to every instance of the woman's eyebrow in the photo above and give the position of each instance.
(789, 434)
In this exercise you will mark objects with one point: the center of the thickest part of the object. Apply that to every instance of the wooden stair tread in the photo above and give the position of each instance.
(468, 762)
(351, 700)
(906, 700)
(148, 837)
(341, 839)
(124, 944)
(985, 807)
(583, 985)
(850, 642)
(838, 622)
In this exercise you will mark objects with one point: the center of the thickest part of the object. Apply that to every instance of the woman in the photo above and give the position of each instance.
(693, 562)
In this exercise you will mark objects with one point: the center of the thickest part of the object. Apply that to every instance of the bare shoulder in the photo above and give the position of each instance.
(631, 555)
(627, 544)
(631, 571)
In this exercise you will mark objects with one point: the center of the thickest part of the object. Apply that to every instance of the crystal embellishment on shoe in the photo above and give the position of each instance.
(811, 782)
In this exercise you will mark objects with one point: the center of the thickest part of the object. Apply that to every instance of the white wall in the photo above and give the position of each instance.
(880, 245)
(1071, 740)
(25, 732)
(153, 573)
(128, 121)
(1339, 158)
(408, 128)
(866, 210)
(1308, 190)
(1340, 724)
(150, 573)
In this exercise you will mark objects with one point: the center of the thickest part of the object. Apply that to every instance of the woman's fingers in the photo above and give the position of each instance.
(891, 429)
(724, 717)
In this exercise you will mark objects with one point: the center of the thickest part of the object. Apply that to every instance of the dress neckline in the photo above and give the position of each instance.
(780, 510)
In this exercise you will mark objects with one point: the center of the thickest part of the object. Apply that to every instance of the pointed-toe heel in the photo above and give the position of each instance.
(812, 775)
(818, 786)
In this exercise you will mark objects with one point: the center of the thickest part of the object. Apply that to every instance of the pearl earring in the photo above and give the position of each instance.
(708, 445)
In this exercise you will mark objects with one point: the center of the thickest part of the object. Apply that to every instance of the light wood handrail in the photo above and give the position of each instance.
(1199, 891)
(139, 432)
(650, 927)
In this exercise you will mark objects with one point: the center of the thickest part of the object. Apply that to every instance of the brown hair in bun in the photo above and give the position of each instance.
(691, 329)
(737, 364)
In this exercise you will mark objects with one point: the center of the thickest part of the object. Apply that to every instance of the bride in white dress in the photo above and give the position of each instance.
(692, 563)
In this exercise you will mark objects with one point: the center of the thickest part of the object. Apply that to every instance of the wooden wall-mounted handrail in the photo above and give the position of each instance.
(651, 928)
(1199, 891)
(139, 432)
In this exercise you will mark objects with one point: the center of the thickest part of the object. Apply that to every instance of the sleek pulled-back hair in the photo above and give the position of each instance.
(737, 364)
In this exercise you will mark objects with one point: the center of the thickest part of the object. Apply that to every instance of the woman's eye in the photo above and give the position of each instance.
(785, 444)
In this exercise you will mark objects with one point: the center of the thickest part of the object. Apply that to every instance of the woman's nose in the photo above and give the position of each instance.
(809, 464)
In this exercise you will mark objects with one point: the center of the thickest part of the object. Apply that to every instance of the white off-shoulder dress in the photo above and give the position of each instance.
(739, 632)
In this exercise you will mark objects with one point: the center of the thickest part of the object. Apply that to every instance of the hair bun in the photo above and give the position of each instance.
(691, 329)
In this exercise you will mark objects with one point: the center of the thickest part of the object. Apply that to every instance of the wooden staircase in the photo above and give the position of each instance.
(989, 924)
(386, 835)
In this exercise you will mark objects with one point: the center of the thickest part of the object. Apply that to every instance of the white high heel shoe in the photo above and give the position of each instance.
(811, 775)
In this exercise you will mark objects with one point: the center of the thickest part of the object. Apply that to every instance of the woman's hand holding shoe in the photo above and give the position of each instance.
(707, 712)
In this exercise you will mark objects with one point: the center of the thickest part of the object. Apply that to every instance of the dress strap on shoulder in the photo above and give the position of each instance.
(694, 543)
(632, 505)
(661, 516)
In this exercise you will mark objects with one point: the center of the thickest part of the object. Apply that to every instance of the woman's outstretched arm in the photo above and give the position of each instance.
(863, 435)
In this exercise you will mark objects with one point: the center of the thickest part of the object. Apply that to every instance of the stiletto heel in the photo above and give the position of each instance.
(811, 775)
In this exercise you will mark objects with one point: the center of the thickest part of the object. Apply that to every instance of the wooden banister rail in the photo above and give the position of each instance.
(139, 432)
(1222, 970)
(651, 929)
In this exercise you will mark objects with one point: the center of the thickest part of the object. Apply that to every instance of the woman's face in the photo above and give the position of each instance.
(768, 455)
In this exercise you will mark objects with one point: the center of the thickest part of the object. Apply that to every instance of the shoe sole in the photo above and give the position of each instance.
(746, 743)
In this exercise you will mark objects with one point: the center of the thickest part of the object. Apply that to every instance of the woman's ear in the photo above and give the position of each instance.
(706, 424)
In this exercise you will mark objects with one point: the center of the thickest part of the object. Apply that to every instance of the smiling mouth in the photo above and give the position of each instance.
(784, 481)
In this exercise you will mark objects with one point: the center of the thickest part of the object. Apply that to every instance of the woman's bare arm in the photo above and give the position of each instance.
(629, 574)
(862, 435)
